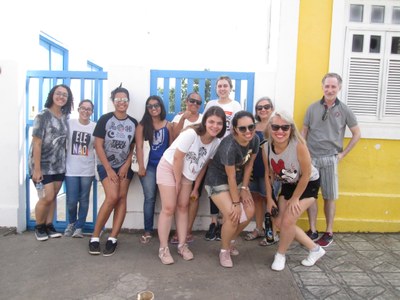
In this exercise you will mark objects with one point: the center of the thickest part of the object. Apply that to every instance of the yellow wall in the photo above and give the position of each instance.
(369, 184)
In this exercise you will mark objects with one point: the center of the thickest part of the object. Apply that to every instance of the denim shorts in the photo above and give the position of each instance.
(103, 173)
(257, 185)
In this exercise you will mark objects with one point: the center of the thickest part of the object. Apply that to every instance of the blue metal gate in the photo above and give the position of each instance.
(173, 86)
(88, 85)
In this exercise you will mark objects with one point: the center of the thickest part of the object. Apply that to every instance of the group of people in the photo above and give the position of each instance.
(248, 165)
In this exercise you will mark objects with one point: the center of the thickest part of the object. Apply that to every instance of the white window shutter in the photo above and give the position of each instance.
(392, 103)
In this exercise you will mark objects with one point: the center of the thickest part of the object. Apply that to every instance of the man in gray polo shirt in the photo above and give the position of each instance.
(324, 128)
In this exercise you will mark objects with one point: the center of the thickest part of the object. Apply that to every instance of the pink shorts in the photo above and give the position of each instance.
(165, 174)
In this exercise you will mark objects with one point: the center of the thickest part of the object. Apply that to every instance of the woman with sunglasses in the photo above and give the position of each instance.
(224, 88)
(114, 143)
(183, 163)
(263, 110)
(289, 161)
(158, 131)
(227, 181)
(182, 120)
(47, 156)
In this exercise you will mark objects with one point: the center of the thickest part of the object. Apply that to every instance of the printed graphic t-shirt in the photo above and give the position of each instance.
(118, 136)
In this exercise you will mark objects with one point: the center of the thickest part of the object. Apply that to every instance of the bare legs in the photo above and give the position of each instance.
(45, 207)
(115, 199)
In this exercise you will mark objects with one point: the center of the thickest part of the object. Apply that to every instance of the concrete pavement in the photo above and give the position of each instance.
(356, 266)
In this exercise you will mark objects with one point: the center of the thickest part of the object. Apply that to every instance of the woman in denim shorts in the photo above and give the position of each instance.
(227, 180)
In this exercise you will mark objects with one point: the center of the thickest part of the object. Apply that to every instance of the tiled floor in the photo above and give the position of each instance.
(356, 266)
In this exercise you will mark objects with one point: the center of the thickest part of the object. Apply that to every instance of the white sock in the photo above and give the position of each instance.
(113, 240)
(280, 255)
(316, 249)
(95, 239)
(224, 250)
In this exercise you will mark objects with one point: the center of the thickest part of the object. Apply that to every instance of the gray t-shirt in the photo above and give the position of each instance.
(325, 137)
(230, 153)
(53, 133)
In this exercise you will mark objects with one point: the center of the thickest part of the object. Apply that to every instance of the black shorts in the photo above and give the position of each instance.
(310, 191)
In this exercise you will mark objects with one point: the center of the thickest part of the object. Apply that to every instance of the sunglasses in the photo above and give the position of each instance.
(153, 106)
(85, 109)
(261, 107)
(275, 127)
(250, 128)
(121, 100)
(194, 101)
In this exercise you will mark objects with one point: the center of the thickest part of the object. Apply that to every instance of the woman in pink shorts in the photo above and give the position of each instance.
(183, 163)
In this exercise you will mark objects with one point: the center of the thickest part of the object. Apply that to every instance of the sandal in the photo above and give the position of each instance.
(264, 242)
(145, 238)
(255, 234)
(189, 238)
(174, 239)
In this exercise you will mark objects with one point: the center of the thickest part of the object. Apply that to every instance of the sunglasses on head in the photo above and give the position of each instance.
(261, 107)
(194, 101)
(250, 128)
(151, 106)
(276, 127)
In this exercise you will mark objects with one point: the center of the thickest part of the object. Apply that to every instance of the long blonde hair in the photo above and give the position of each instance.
(294, 132)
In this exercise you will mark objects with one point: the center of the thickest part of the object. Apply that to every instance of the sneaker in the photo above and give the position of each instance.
(279, 262)
(69, 230)
(233, 250)
(110, 248)
(174, 239)
(41, 233)
(218, 232)
(78, 233)
(94, 248)
(211, 233)
(51, 231)
(264, 241)
(225, 259)
(312, 235)
(326, 239)
(185, 252)
(312, 257)
(165, 256)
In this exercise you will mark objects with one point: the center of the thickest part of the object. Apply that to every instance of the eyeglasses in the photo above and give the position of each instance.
(326, 111)
(250, 128)
(85, 109)
(121, 100)
(153, 106)
(194, 101)
(261, 107)
(60, 94)
(276, 127)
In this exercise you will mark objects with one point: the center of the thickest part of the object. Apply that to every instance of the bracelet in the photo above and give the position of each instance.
(235, 203)
(244, 188)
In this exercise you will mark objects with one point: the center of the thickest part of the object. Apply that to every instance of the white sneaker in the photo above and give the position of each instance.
(279, 262)
(313, 256)
(69, 230)
(78, 233)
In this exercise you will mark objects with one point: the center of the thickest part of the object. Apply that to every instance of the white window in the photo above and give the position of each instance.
(370, 63)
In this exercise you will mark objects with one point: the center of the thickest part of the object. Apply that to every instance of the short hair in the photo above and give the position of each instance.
(332, 75)
(265, 98)
(119, 89)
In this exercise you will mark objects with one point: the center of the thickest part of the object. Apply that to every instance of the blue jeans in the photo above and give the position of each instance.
(78, 191)
(149, 186)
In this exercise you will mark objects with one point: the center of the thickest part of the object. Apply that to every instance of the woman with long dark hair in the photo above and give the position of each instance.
(155, 129)
(183, 163)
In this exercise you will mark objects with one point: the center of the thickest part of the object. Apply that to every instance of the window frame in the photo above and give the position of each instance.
(381, 127)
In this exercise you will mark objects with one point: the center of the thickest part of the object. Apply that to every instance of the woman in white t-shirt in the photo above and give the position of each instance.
(183, 163)
(80, 168)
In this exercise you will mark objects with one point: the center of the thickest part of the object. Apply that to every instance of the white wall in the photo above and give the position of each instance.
(227, 36)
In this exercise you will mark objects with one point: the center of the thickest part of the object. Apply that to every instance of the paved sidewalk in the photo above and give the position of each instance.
(356, 266)
(63, 269)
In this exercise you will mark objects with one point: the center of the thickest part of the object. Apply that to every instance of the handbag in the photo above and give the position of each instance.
(146, 152)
